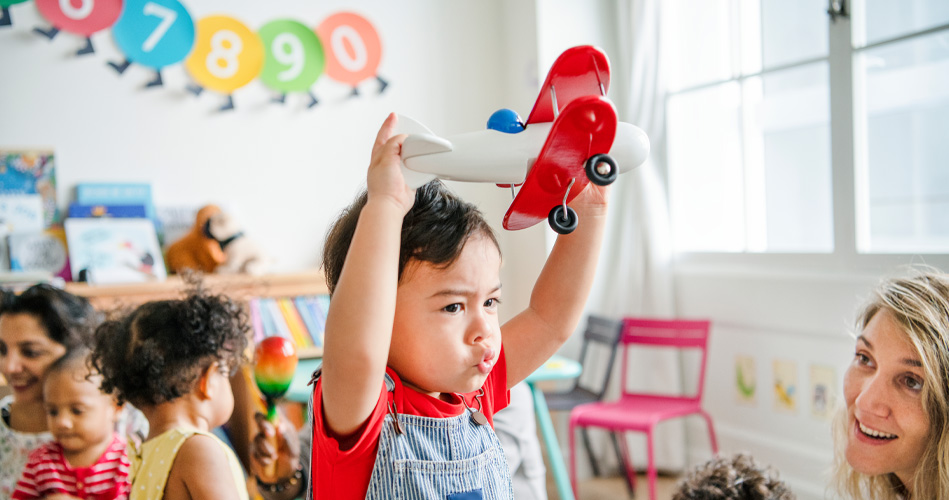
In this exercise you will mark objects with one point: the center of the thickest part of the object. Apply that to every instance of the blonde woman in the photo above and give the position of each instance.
(893, 437)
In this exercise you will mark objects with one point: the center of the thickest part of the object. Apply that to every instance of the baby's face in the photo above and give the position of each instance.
(447, 335)
(78, 415)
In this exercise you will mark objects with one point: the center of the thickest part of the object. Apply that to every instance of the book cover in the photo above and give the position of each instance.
(40, 251)
(120, 193)
(31, 172)
(123, 211)
(109, 250)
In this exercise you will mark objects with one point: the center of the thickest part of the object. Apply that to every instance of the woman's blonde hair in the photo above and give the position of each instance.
(920, 304)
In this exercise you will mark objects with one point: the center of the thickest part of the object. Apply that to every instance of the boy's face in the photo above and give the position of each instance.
(79, 416)
(447, 336)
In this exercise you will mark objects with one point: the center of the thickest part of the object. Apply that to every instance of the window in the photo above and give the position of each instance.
(750, 136)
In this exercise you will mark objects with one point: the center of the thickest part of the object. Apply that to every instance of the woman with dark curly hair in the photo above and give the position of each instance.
(37, 327)
(173, 360)
(738, 477)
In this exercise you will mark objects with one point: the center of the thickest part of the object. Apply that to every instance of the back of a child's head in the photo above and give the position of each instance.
(158, 352)
(68, 319)
(737, 477)
(434, 230)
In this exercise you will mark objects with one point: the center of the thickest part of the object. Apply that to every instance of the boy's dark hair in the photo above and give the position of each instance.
(159, 351)
(737, 477)
(74, 360)
(434, 230)
(68, 319)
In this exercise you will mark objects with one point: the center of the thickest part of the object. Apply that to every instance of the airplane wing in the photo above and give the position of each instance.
(579, 71)
(585, 127)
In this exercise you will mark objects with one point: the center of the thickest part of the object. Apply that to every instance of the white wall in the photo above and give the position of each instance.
(286, 171)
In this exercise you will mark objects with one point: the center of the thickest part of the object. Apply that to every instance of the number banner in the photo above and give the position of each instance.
(227, 55)
(7, 3)
(294, 56)
(82, 17)
(154, 33)
(352, 46)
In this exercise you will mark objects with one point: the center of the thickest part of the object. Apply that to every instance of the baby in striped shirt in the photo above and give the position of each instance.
(87, 458)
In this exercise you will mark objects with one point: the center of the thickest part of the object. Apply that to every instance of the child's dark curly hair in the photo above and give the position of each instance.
(733, 478)
(434, 230)
(159, 351)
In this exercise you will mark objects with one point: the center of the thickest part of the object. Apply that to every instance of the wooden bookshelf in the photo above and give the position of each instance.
(238, 287)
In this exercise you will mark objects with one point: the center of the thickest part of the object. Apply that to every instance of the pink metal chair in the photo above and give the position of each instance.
(640, 412)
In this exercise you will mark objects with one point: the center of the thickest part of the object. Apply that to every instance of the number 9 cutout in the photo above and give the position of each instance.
(293, 58)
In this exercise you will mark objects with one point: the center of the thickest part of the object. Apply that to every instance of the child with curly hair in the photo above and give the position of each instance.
(738, 477)
(87, 458)
(173, 360)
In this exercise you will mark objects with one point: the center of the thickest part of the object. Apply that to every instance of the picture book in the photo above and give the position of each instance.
(114, 250)
(119, 193)
(18, 213)
(40, 251)
(31, 173)
(300, 319)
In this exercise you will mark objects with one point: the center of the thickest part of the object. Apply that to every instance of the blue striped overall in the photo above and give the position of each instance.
(423, 458)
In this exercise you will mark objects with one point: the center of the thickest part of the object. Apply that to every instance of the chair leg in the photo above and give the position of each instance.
(711, 433)
(586, 444)
(625, 459)
(652, 465)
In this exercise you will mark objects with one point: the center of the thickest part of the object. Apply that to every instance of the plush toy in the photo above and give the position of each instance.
(197, 250)
(242, 254)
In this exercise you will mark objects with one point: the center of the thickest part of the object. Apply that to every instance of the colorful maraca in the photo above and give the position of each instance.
(276, 361)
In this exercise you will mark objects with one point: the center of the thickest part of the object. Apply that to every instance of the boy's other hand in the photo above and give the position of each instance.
(384, 179)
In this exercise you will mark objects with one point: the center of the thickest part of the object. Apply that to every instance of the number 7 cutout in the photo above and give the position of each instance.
(86, 18)
(153, 33)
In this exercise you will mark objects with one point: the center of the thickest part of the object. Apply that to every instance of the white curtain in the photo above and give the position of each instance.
(635, 276)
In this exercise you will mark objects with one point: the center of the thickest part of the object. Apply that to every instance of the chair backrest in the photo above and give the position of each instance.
(606, 332)
(677, 333)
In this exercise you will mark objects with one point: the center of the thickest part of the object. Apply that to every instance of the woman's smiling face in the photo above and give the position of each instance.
(26, 351)
(887, 427)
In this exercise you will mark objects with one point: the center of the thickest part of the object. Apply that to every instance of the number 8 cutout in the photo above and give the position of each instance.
(82, 17)
(227, 55)
(153, 33)
(353, 49)
(294, 58)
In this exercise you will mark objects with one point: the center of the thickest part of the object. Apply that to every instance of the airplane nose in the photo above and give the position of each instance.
(630, 147)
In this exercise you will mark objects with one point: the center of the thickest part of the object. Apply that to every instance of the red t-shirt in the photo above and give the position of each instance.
(47, 472)
(344, 474)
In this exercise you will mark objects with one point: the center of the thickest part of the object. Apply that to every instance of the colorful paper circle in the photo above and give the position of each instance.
(293, 56)
(353, 49)
(82, 17)
(227, 55)
(154, 33)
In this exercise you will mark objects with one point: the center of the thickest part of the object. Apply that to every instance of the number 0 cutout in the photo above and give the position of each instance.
(82, 17)
(353, 49)
(227, 55)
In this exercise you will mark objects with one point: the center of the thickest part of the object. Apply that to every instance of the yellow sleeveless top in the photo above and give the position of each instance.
(152, 461)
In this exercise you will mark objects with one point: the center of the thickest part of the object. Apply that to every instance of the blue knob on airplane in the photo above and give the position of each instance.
(506, 120)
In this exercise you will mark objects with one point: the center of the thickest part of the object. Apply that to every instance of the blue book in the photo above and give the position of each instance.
(122, 211)
(266, 319)
(120, 193)
(311, 327)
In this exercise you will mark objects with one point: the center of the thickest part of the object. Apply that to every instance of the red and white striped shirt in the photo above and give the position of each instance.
(47, 472)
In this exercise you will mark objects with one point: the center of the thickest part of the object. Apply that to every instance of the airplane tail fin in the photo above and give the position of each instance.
(421, 141)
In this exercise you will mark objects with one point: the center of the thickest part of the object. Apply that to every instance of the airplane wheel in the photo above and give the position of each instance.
(601, 169)
(560, 222)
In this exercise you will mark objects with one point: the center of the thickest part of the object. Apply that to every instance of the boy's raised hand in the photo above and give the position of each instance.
(384, 179)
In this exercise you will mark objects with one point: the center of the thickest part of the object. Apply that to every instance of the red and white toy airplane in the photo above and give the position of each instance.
(571, 137)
